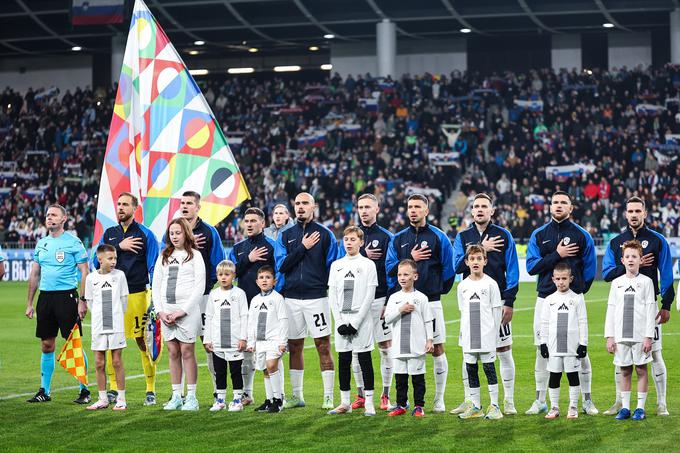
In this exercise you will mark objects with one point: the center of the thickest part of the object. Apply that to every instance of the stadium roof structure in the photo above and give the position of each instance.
(232, 27)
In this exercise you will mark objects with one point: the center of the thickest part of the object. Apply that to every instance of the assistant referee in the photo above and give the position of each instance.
(59, 260)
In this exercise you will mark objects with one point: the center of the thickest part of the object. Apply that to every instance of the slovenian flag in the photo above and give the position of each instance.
(97, 12)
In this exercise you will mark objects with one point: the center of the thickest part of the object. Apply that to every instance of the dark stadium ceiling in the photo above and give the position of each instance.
(230, 27)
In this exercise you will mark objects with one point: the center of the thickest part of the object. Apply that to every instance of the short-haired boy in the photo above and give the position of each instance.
(412, 333)
(479, 302)
(226, 326)
(629, 327)
(106, 293)
(564, 339)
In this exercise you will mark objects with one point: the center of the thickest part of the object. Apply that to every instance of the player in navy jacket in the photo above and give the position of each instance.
(503, 267)
(304, 254)
(431, 249)
(560, 240)
(656, 262)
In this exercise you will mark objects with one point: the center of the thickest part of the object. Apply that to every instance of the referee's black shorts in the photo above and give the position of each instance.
(57, 311)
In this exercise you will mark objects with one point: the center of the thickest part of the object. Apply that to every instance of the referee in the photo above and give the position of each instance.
(59, 260)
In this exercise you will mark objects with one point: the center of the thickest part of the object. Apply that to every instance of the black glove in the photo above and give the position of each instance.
(544, 351)
(581, 351)
(351, 330)
(342, 330)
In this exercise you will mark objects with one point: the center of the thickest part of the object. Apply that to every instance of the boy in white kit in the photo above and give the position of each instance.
(564, 339)
(106, 293)
(629, 327)
(226, 332)
(412, 333)
(480, 304)
(268, 337)
(351, 289)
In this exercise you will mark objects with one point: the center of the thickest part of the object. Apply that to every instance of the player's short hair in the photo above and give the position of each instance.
(190, 193)
(104, 248)
(368, 196)
(410, 263)
(632, 245)
(308, 194)
(636, 199)
(255, 211)
(562, 266)
(135, 200)
(561, 192)
(483, 195)
(475, 249)
(225, 266)
(56, 206)
(281, 205)
(352, 229)
(266, 269)
(420, 197)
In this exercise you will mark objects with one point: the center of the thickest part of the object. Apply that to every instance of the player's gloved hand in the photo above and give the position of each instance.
(351, 330)
(581, 351)
(342, 329)
(544, 351)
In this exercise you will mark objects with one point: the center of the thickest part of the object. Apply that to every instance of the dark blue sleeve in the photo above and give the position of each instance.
(459, 255)
(332, 252)
(286, 260)
(610, 268)
(448, 272)
(511, 272)
(537, 264)
(391, 262)
(94, 262)
(152, 252)
(216, 254)
(589, 262)
(341, 249)
(666, 274)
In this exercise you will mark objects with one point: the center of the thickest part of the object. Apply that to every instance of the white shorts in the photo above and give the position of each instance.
(108, 341)
(202, 303)
(361, 342)
(438, 325)
(409, 365)
(229, 355)
(184, 330)
(484, 357)
(566, 364)
(628, 354)
(262, 357)
(381, 330)
(537, 320)
(311, 316)
(504, 335)
(656, 340)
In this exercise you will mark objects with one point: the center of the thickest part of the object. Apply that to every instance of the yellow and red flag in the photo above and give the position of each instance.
(72, 356)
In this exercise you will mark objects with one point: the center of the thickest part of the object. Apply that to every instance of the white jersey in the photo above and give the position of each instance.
(106, 297)
(267, 321)
(479, 302)
(564, 323)
(226, 318)
(352, 281)
(410, 331)
(178, 285)
(631, 309)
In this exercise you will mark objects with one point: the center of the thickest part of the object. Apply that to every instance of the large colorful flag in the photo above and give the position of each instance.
(72, 356)
(164, 139)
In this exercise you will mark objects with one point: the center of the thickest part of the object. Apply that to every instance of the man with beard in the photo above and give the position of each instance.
(137, 250)
(503, 268)
(431, 249)
(656, 262)
(304, 254)
(556, 241)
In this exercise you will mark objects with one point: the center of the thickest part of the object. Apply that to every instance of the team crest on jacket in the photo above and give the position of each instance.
(423, 244)
(59, 256)
(644, 244)
(566, 240)
(374, 243)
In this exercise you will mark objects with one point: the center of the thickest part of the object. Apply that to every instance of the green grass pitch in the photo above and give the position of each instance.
(63, 426)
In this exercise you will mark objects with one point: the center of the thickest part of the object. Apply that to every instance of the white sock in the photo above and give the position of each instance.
(248, 373)
(268, 388)
(358, 375)
(191, 390)
(659, 376)
(344, 397)
(368, 404)
(466, 382)
(493, 394)
(574, 392)
(541, 376)
(642, 399)
(617, 382)
(102, 396)
(555, 397)
(625, 399)
(211, 368)
(177, 390)
(238, 394)
(121, 396)
(386, 370)
(296, 380)
(441, 372)
(328, 378)
(275, 382)
(282, 377)
(221, 394)
(585, 377)
(508, 375)
(475, 397)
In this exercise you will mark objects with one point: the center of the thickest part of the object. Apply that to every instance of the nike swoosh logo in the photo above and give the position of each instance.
(404, 245)
(95, 284)
(239, 254)
(112, 239)
(657, 375)
(545, 242)
(321, 330)
(438, 373)
(292, 240)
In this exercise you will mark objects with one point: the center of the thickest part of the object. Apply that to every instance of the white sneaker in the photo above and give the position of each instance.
(662, 410)
(616, 407)
(218, 406)
(439, 407)
(509, 408)
(464, 406)
(589, 408)
(236, 406)
(537, 408)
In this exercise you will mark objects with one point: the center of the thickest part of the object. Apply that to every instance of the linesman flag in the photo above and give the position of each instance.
(164, 139)
(72, 357)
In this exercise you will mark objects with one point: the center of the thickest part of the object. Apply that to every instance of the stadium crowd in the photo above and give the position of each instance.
(610, 132)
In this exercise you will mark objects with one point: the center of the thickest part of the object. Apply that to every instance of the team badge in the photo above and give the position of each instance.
(59, 256)
(566, 240)
(374, 243)
(423, 244)
(645, 244)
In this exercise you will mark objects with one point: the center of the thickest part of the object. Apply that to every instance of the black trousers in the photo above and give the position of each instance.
(220, 366)
(345, 370)
(418, 381)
